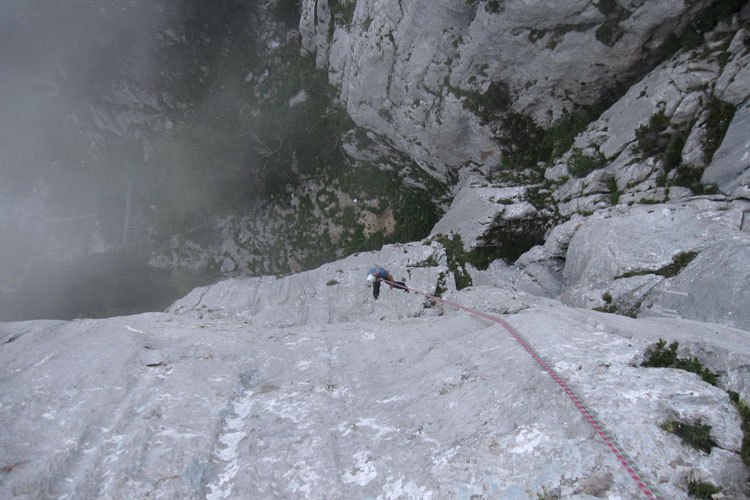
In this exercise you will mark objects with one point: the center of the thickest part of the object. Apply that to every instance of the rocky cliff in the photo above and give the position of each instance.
(213, 148)
(304, 386)
(591, 160)
(430, 76)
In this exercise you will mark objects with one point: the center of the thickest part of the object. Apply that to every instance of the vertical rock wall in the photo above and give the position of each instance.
(405, 66)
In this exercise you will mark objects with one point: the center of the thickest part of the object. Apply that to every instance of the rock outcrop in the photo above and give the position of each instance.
(621, 257)
(405, 67)
(730, 169)
(305, 386)
(297, 387)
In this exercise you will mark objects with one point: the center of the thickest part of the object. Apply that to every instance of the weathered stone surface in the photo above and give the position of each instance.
(584, 205)
(730, 168)
(710, 288)
(399, 63)
(613, 246)
(176, 406)
(621, 296)
(733, 85)
(478, 208)
(539, 278)
(632, 174)
(692, 153)
(666, 87)
(304, 386)
(333, 293)
(648, 195)
(680, 88)
(677, 193)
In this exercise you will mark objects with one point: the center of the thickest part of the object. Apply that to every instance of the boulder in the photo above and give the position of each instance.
(483, 214)
(476, 207)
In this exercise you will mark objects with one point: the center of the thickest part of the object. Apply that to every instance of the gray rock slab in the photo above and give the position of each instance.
(713, 287)
(623, 239)
(619, 250)
(730, 168)
(438, 407)
(332, 293)
(477, 207)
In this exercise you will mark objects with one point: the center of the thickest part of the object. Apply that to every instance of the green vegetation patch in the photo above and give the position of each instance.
(610, 31)
(614, 191)
(661, 356)
(522, 142)
(441, 285)
(653, 138)
(457, 258)
(558, 33)
(525, 144)
(700, 489)
(342, 12)
(507, 244)
(744, 409)
(486, 105)
(580, 164)
(663, 142)
(491, 6)
(705, 21)
(697, 435)
(720, 114)
(631, 312)
(680, 262)
(430, 261)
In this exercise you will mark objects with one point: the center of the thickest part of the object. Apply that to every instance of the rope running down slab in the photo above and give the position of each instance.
(624, 460)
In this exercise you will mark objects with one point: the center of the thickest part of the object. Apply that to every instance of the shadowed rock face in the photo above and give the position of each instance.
(235, 393)
(402, 65)
(730, 168)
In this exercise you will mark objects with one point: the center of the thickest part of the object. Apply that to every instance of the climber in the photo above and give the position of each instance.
(378, 274)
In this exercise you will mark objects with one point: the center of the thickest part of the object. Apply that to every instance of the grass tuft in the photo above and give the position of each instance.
(661, 356)
(700, 489)
(697, 435)
(744, 409)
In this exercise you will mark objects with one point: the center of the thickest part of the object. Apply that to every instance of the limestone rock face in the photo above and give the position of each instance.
(333, 293)
(403, 66)
(675, 103)
(730, 169)
(711, 288)
(221, 405)
(684, 259)
(479, 208)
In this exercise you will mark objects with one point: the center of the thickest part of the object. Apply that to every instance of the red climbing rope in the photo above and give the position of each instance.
(608, 439)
